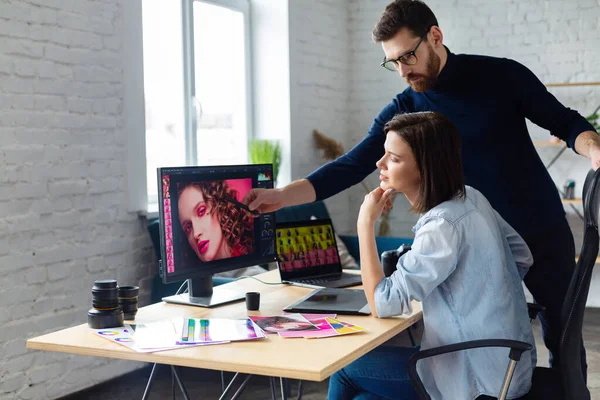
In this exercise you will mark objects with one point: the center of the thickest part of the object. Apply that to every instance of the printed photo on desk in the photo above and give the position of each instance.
(283, 323)
(327, 327)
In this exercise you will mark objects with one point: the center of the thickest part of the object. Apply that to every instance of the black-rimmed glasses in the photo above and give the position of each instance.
(408, 58)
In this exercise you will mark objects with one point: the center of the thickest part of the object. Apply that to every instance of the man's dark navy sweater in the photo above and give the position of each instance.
(488, 99)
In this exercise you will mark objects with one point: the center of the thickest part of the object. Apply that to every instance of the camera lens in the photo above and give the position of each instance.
(128, 300)
(105, 302)
(105, 295)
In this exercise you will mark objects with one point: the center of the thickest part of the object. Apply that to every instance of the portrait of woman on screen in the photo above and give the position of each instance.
(213, 225)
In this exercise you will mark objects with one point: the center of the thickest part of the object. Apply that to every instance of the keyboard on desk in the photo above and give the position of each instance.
(333, 281)
(318, 281)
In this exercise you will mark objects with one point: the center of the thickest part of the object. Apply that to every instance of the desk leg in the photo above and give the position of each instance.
(410, 336)
(228, 386)
(180, 383)
(283, 391)
(272, 383)
(241, 388)
(145, 396)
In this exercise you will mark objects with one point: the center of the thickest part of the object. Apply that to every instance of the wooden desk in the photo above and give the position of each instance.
(306, 359)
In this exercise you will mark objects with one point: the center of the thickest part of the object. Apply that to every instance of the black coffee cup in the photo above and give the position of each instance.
(128, 301)
(252, 301)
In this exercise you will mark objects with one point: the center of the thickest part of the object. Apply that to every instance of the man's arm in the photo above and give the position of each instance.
(331, 178)
(542, 108)
(356, 164)
(299, 192)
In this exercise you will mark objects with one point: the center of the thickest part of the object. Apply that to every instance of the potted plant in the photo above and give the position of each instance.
(264, 151)
(594, 119)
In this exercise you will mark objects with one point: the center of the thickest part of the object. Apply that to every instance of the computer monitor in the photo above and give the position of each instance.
(206, 229)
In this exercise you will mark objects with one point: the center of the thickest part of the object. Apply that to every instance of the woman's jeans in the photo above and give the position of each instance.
(380, 374)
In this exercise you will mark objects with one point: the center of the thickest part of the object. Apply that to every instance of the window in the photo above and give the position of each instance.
(196, 84)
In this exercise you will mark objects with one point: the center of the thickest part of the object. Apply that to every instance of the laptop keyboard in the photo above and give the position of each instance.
(318, 281)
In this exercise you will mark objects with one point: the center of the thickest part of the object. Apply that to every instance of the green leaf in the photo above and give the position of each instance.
(594, 119)
(263, 151)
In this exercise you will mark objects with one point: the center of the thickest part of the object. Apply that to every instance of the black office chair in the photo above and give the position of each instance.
(548, 384)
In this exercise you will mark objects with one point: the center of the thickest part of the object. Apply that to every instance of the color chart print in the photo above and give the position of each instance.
(166, 184)
(343, 328)
(218, 330)
(108, 333)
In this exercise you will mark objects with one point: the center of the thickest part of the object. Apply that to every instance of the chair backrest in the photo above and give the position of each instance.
(573, 308)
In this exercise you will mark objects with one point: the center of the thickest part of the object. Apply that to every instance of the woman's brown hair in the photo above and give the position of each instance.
(436, 146)
(236, 224)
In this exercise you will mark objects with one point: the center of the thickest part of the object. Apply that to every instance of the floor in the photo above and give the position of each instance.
(207, 384)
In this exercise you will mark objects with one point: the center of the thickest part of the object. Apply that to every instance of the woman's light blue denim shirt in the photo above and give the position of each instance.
(465, 267)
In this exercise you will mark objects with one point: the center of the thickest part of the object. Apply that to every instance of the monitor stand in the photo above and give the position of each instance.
(202, 294)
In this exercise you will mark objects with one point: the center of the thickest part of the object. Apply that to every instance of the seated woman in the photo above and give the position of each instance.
(214, 226)
(465, 267)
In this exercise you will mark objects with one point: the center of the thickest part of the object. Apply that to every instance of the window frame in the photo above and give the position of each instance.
(191, 105)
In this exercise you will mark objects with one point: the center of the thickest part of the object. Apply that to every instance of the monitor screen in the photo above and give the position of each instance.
(205, 227)
(306, 248)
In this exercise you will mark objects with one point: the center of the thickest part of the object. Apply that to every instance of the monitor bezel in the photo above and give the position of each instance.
(223, 265)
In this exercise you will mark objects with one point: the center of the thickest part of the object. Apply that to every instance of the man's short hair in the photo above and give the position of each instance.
(412, 14)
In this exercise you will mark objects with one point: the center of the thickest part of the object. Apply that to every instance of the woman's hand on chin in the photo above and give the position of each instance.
(372, 207)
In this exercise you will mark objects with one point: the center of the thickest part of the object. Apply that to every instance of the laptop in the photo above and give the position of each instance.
(307, 255)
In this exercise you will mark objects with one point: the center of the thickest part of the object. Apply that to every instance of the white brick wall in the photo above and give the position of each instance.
(319, 92)
(63, 215)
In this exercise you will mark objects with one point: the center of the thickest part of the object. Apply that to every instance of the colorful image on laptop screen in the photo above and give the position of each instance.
(303, 248)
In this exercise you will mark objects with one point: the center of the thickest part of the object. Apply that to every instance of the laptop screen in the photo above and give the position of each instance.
(306, 249)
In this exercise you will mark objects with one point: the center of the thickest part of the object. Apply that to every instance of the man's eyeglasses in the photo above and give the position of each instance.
(408, 58)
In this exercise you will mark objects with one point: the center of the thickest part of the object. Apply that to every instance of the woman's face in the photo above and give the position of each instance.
(200, 226)
(398, 168)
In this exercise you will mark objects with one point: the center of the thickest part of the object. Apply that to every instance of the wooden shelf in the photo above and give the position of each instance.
(572, 84)
(548, 143)
(573, 201)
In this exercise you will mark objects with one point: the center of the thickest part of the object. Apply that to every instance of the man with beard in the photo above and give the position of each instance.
(488, 100)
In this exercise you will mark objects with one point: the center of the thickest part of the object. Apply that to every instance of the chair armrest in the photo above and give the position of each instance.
(516, 350)
(534, 309)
